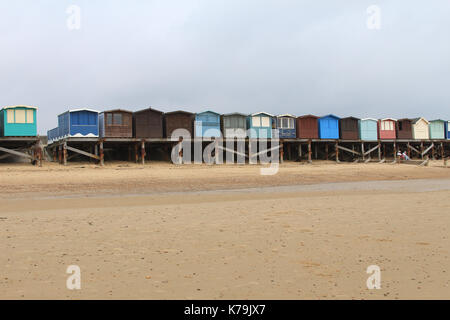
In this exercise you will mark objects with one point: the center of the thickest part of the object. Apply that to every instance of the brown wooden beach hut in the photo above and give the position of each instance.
(148, 123)
(404, 129)
(307, 127)
(116, 123)
(348, 128)
(178, 120)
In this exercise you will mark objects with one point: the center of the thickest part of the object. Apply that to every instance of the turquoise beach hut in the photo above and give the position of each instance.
(437, 129)
(259, 125)
(368, 129)
(18, 121)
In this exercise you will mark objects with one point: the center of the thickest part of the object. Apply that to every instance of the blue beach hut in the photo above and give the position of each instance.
(18, 121)
(259, 125)
(286, 126)
(78, 123)
(207, 124)
(329, 127)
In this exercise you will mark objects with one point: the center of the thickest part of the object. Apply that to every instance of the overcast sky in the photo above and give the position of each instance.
(278, 56)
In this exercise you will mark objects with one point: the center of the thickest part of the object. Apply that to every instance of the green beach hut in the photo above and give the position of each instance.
(18, 121)
(437, 129)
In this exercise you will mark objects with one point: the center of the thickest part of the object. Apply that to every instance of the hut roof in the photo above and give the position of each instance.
(330, 115)
(437, 120)
(208, 111)
(178, 111)
(19, 106)
(80, 109)
(286, 115)
(148, 109)
(365, 119)
(262, 112)
(415, 120)
(353, 118)
(386, 119)
(308, 116)
(234, 114)
(117, 110)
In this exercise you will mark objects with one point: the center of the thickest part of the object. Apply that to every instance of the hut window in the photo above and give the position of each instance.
(109, 119)
(400, 125)
(30, 116)
(10, 115)
(118, 118)
(20, 116)
(256, 121)
(265, 122)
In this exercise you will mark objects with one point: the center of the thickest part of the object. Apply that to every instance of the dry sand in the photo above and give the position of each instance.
(225, 232)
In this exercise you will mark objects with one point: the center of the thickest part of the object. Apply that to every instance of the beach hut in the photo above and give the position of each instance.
(307, 127)
(207, 124)
(148, 123)
(437, 129)
(234, 125)
(116, 124)
(387, 128)
(348, 128)
(368, 129)
(404, 129)
(420, 129)
(78, 123)
(52, 135)
(260, 125)
(178, 120)
(329, 127)
(286, 126)
(18, 121)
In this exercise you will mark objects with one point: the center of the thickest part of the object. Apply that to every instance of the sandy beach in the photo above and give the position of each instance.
(162, 231)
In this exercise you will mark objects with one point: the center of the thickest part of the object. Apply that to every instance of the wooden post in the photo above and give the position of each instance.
(136, 155)
(337, 152)
(300, 151)
(65, 153)
(379, 151)
(315, 150)
(309, 151)
(395, 153)
(421, 149)
(362, 150)
(281, 148)
(60, 154)
(433, 154)
(102, 155)
(54, 154)
(442, 151)
(409, 150)
(40, 151)
(143, 152)
(326, 151)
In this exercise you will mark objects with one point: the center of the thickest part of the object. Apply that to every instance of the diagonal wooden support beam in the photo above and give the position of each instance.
(16, 153)
(349, 150)
(414, 149)
(84, 153)
(427, 149)
(371, 150)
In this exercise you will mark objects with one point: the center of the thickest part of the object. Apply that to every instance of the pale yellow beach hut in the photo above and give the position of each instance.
(420, 129)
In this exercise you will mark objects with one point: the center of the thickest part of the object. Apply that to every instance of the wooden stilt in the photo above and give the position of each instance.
(337, 151)
(309, 151)
(142, 152)
(102, 155)
(65, 153)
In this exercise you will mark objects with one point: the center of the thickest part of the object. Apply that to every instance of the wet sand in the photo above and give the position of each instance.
(167, 232)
